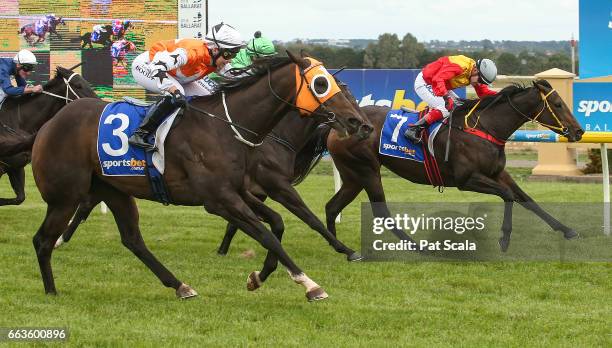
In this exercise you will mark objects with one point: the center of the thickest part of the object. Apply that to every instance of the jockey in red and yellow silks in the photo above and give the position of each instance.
(437, 80)
(177, 68)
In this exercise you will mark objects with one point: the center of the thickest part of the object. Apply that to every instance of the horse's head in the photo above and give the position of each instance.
(555, 114)
(69, 84)
(318, 95)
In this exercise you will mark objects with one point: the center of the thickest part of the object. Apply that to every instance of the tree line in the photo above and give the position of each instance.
(391, 52)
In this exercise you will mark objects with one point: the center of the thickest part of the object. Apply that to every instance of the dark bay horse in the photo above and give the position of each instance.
(474, 164)
(283, 160)
(22, 117)
(205, 164)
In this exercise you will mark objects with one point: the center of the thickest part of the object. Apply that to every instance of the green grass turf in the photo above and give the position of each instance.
(108, 298)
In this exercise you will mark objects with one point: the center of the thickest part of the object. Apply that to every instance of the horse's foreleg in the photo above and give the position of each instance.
(483, 184)
(17, 179)
(276, 225)
(285, 194)
(234, 209)
(528, 203)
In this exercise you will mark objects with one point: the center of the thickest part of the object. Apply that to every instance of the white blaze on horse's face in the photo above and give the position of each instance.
(314, 86)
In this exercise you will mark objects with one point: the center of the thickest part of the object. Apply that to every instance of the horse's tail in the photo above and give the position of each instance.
(13, 146)
(22, 29)
(310, 155)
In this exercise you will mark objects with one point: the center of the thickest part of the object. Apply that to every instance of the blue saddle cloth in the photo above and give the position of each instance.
(117, 157)
(118, 122)
(392, 140)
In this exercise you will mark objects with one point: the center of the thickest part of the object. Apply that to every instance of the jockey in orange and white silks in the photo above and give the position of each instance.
(437, 80)
(177, 68)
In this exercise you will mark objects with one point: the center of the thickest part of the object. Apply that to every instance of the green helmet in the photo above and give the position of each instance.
(260, 46)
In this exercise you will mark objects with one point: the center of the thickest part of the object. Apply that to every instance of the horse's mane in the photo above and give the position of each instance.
(508, 91)
(310, 155)
(253, 72)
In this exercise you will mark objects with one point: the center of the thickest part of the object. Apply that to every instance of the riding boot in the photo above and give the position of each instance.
(154, 118)
(413, 133)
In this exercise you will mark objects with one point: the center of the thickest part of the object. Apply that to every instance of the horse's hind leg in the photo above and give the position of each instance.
(125, 212)
(82, 213)
(17, 178)
(55, 221)
(528, 203)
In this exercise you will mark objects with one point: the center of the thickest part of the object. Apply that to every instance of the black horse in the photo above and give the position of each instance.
(22, 117)
(475, 164)
(105, 38)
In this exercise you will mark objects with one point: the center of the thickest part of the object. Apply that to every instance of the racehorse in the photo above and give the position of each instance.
(474, 164)
(12, 143)
(121, 33)
(205, 164)
(29, 30)
(283, 160)
(22, 117)
(105, 38)
(120, 54)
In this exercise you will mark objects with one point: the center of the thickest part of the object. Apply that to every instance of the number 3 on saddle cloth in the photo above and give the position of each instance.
(394, 144)
(117, 157)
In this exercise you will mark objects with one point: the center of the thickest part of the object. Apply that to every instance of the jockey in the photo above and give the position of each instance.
(173, 67)
(43, 24)
(257, 47)
(20, 67)
(118, 47)
(437, 80)
(117, 27)
(98, 29)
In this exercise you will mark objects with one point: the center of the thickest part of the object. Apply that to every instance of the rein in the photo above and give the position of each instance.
(234, 126)
(487, 134)
(68, 89)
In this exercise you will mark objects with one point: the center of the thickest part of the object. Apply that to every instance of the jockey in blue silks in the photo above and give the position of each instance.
(20, 67)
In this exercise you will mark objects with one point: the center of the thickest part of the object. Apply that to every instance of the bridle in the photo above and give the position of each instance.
(546, 105)
(68, 90)
(327, 114)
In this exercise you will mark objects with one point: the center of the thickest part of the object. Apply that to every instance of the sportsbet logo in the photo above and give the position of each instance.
(590, 106)
(398, 101)
(133, 164)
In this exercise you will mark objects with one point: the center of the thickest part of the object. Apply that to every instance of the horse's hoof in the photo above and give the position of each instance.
(570, 234)
(185, 291)
(504, 243)
(354, 257)
(253, 281)
(59, 242)
(221, 253)
(316, 294)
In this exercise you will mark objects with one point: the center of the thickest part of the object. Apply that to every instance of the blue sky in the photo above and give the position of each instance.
(427, 20)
